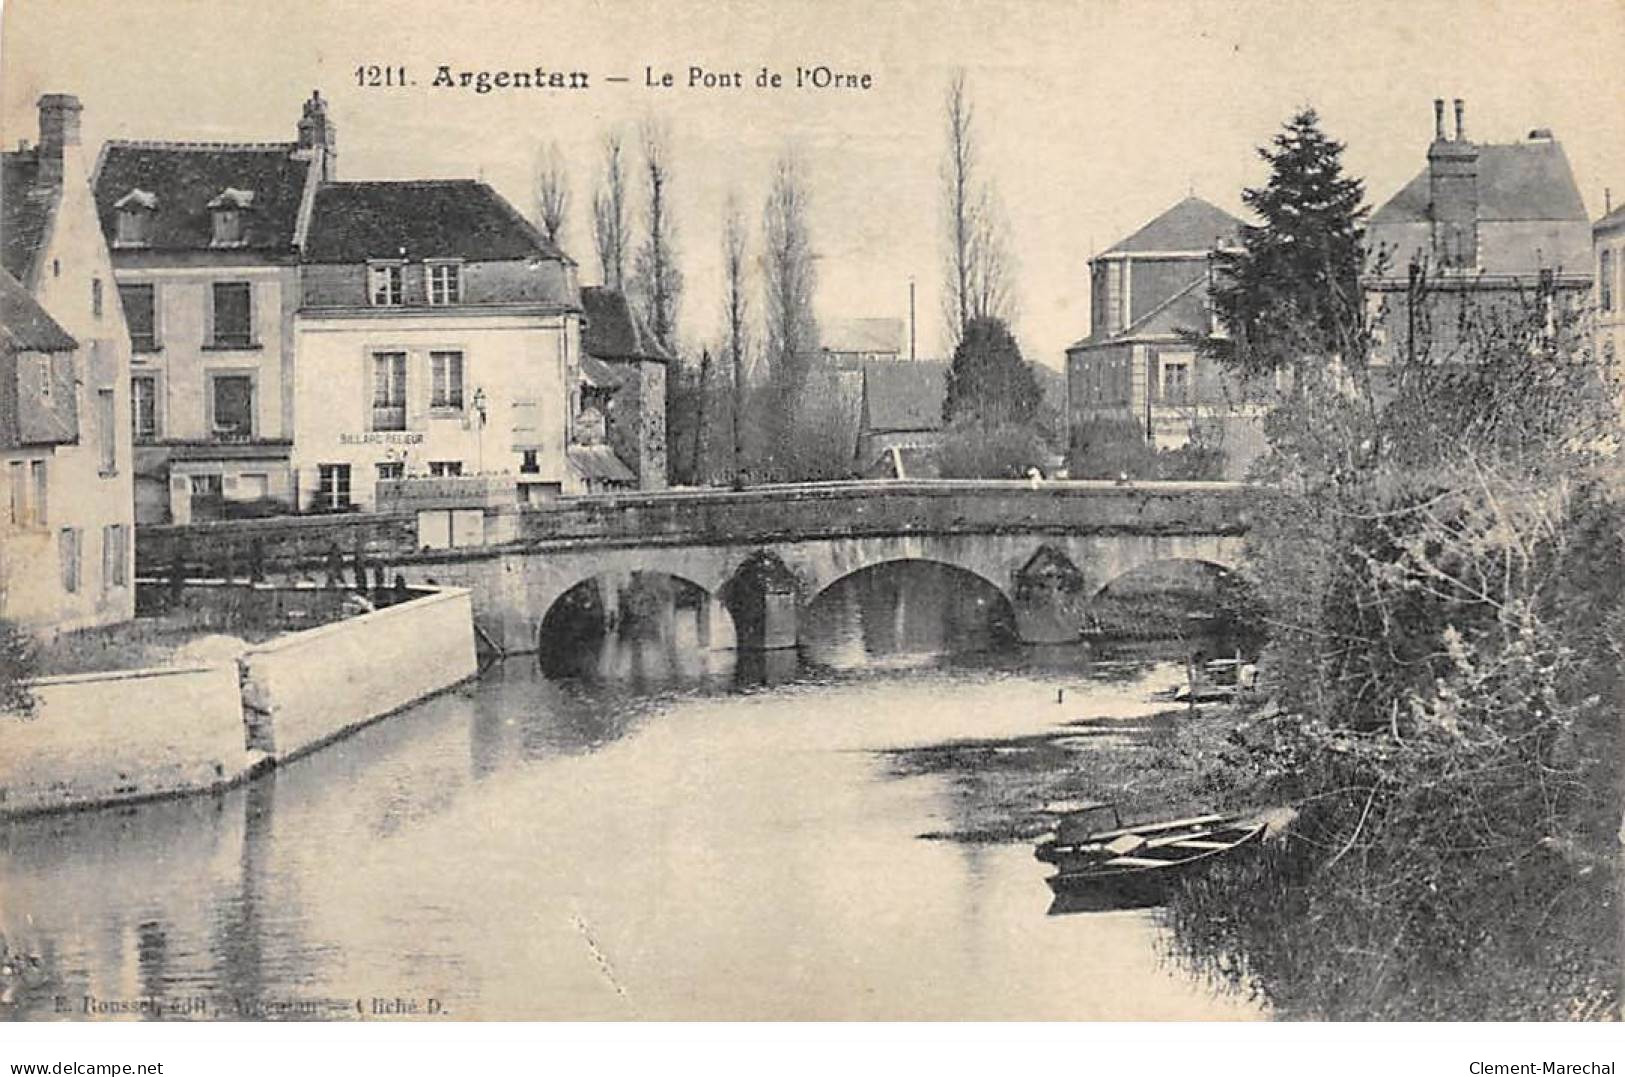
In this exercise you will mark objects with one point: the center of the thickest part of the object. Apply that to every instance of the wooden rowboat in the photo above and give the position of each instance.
(1123, 867)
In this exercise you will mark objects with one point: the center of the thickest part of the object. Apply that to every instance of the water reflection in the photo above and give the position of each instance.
(665, 831)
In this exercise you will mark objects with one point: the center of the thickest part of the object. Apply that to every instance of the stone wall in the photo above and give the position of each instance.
(310, 687)
(101, 737)
(138, 734)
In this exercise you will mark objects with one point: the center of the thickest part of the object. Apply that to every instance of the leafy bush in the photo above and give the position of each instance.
(973, 450)
(18, 665)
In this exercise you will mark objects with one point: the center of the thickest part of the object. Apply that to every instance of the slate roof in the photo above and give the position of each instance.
(25, 326)
(1611, 220)
(599, 462)
(357, 221)
(1523, 181)
(1192, 224)
(899, 394)
(862, 335)
(25, 212)
(186, 177)
(613, 329)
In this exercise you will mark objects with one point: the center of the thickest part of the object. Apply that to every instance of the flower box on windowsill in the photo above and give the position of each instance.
(242, 346)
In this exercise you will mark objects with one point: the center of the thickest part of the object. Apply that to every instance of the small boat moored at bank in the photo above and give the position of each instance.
(1126, 867)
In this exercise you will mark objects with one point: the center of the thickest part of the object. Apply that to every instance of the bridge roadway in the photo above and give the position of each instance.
(764, 553)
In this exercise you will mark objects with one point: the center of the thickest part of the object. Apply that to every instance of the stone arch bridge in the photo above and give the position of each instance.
(766, 553)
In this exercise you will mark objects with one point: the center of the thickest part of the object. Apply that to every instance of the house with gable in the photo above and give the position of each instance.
(439, 337)
(1139, 366)
(205, 239)
(1486, 228)
(621, 433)
(66, 522)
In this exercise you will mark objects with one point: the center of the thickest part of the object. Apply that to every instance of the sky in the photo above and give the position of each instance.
(1091, 117)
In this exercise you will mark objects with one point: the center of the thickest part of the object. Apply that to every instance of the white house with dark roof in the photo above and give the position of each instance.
(439, 336)
(66, 507)
(1139, 366)
(206, 239)
(1491, 225)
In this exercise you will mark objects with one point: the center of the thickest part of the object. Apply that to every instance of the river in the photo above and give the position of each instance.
(668, 833)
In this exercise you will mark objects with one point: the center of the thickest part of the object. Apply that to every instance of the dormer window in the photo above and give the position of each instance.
(386, 283)
(135, 212)
(229, 207)
(445, 282)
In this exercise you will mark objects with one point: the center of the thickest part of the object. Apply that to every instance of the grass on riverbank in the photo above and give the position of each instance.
(1149, 767)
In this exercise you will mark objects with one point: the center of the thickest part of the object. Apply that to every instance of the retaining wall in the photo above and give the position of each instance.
(101, 737)
(310, 687)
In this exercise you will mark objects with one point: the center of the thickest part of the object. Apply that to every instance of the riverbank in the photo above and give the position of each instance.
(1149, 766)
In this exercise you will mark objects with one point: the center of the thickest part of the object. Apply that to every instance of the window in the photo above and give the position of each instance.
(233, 325)
(389, 391)
(1605, 277)
(143, 407)
(96, 296)
(42, 489)
(68, 551)
(391, 469)
(228, 226)
(19, 494)
(528, 464)
(113, 556)
(231, 399)
(333, 486)
(207, 486)
(140, 314)
(445, 469)
(445, 283)
(106, 432)
(384, 284)
(446, 372)
(47, 377)
(134, 227)
(1175, 381)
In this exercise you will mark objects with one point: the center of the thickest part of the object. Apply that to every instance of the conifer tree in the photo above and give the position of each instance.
(988, 380)
(1291, 295)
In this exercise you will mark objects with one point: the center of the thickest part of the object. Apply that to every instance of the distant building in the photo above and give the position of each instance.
(1490, 227)
(438, 335)
(1138, 367)
(66, 528)
(1608, 240)
(900, 418)
(850, 342)
(206, 239)
(623, 375)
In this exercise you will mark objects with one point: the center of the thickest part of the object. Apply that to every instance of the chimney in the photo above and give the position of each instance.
(318, 135)
(1438, 119)
(58, 129)
(1453, 197)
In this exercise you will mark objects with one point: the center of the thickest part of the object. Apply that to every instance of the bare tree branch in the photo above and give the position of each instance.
(552, 193)
(609, 215)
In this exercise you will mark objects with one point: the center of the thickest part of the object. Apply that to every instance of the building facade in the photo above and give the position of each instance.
(438, 335)
(68, 537)
(206, 239)
(1484, 231)
(1138, 368)
(1608, 244)
(623, 394)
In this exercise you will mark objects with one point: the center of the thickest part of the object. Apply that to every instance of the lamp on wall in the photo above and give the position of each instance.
(479, 435)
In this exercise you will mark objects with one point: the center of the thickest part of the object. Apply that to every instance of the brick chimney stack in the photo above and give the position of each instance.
(1453, 193)
(318, 135)
(58, 130)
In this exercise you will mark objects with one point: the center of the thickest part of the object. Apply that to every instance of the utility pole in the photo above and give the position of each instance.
(911, 354)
